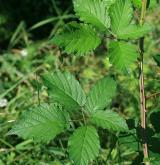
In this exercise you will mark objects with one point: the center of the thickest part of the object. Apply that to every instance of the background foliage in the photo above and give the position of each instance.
(26, 54)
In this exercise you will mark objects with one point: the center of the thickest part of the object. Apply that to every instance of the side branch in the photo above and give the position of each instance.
(154, 95)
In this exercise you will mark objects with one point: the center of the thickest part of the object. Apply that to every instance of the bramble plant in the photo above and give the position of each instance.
(44, 122)
(70, 109)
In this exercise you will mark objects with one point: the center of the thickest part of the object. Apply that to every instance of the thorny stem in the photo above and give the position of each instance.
(141, 85)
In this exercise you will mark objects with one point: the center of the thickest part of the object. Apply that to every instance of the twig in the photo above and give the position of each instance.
(142, 90)
(153, 95)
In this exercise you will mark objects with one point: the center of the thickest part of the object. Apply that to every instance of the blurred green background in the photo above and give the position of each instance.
(26, 28)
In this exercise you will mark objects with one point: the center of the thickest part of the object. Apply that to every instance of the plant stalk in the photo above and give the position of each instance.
(142, 90)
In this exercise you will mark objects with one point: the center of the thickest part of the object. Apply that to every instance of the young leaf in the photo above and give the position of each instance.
(65, 89)
(121, 14)
(42, 123)
(133, 32)
(100, 95)
(122, 55)
(93, 12)
(77, 38)
(109, 120)
(84, 145)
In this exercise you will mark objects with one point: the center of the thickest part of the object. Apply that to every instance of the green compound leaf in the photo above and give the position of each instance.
(100, 95)
(94, 12)
(122, 55)
(134, 32)
(65, 89)
(42, 123)
(77, 38)
(109, 120)
(84, 145)
(121, 15)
